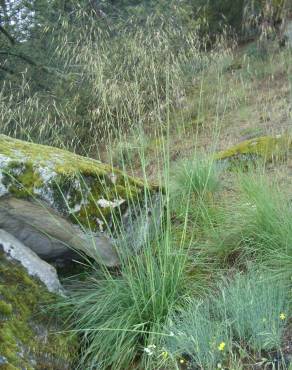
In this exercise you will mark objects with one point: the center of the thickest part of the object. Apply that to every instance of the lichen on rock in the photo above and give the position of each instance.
(68, 182)
(33, 264)
(92, 195)
(268, 148)
(29, 339)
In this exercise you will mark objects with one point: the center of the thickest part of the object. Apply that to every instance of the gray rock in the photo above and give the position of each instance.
(31, 337)
(36, 267)
(49, 234)
(3, 360)
(55, 201)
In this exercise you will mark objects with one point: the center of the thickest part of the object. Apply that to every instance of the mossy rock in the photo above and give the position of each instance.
(29, 339)
(266, 148)
(92, 195)
(82, 187)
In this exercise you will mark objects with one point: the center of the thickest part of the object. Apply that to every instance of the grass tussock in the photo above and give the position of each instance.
(198, 177)
(127, 312)
(203, 291)
(247, 315)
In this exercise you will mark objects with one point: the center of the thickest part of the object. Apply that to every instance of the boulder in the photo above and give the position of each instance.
(49, 234)
(30, 338)
(267, 148)
(15, 250)
(55, 201)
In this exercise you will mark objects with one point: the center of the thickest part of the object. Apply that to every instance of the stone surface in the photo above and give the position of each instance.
(54, 200)
(266, 147)
(30, 337)
(49, 235)
(15, 250)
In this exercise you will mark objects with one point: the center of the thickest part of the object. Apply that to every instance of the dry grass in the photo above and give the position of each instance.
(244, 97)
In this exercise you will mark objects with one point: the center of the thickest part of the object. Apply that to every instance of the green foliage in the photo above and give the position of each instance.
(249, 312)
(145, 49)
(93, 95)
(50, 48)
(199, 177)
(118, 316)
(256, 307)
(79, 77)
(5, 308)
(145, 303)
(269, 232)
(267, 229)
(217, 15)
(196, 335)
(194, 188)
(255, 226)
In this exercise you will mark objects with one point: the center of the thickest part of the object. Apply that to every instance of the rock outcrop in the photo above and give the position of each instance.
(55, 201)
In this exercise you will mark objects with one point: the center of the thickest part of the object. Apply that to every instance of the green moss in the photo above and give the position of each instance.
(21, 179)
(73, 183)
(5, 308)
(10, 367)
(267, 147)
(62, 161)
(25, 330)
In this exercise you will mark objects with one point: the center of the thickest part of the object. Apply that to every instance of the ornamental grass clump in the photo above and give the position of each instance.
(194, 185)
(199, 177)
(248, 314)
(255, 226)
(119, 315)
(198, 336)
(256, 307)
(267, 232)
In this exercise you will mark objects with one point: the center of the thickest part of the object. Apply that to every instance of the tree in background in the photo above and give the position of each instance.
(30, 30)
(266, 17)
(69, 64)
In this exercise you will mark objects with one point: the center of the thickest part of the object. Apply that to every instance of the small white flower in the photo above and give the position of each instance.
(150, 349)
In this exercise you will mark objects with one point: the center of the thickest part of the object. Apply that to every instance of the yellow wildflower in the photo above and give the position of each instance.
(221, 346)
(164, 355)
(181, 361)
(282, 316)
